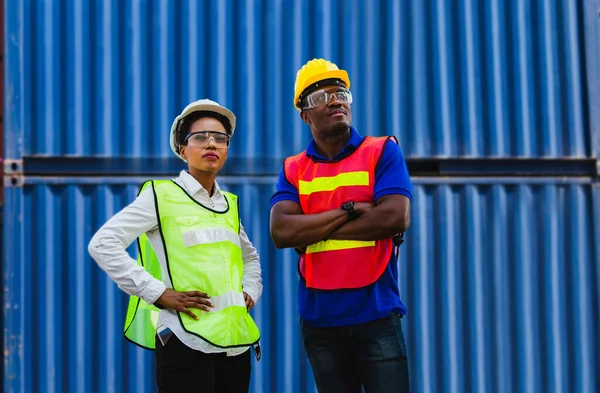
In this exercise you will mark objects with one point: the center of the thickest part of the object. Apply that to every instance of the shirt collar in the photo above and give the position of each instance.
(192, 186)
(353, 143)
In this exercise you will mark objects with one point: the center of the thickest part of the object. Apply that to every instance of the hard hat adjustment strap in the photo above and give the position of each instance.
(325, 82)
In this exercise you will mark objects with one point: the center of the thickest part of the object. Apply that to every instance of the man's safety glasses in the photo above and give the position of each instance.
(203, 138)
(321, 97)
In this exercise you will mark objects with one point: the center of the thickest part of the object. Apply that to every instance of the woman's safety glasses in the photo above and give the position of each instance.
(321, 97)
(203, 138)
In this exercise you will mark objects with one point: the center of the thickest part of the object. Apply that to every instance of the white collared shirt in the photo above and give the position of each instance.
(109, 244)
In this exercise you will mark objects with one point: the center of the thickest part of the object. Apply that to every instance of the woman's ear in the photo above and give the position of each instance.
(182, 152)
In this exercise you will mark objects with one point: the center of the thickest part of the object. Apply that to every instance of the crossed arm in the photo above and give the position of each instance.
(291, 228)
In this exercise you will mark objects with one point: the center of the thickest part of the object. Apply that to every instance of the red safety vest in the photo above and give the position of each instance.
(323, 186)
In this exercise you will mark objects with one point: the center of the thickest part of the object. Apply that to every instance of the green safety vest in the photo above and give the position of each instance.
(203, 253)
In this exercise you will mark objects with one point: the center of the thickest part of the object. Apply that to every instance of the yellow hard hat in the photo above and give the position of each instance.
(314, 71)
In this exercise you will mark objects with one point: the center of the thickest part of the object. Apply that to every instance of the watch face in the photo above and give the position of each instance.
(348, 206)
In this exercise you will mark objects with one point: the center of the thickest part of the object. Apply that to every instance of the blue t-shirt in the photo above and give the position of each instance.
(349, 307)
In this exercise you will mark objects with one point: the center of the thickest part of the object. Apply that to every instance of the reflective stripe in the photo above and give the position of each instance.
(332, 245)
(227, 300)
(210, 235)
(331, 183)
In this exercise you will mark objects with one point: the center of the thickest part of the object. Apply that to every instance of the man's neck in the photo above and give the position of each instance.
(330, 145)
(206, 179)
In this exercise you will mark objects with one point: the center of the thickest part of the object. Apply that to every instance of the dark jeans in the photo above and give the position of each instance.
(183, 370)
(372, 355)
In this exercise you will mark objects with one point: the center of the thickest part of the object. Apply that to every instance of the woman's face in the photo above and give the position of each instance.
(207, 145)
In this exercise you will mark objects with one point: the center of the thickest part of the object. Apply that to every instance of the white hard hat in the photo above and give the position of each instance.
(200, 105)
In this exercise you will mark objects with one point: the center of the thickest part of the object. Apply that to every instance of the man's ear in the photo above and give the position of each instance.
(305, 116)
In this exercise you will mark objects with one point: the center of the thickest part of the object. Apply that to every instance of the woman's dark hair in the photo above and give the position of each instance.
(186, 123)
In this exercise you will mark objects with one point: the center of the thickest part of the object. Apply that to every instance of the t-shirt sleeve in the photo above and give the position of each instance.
(284, 191)
(391, 174)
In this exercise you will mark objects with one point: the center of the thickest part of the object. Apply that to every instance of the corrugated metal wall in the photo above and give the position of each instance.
(448, 77)
(500, 275)
(502, 296)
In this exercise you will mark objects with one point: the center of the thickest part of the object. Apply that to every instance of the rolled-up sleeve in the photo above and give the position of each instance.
(108, 248)
(251, 279)
(391, 174)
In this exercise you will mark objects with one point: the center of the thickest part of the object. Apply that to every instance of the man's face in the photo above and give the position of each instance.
(205, 149)
(332, 118)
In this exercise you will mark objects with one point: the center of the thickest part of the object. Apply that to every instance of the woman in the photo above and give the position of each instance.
(196, 264)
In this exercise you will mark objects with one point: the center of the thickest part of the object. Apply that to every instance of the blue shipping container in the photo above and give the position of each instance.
(502, 296)
(449, 78)
(500, 275)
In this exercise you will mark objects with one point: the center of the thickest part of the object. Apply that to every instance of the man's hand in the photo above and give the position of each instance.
(389, 216)
(291, 228)
(363, 207)
(249, 302)
(183, 301)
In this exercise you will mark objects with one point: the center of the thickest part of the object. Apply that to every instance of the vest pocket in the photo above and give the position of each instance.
(188, 222)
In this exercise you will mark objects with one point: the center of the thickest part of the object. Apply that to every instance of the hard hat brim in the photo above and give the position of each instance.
(333, 74)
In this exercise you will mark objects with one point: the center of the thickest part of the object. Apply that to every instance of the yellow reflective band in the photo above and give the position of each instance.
(331, 183)
(332, 245)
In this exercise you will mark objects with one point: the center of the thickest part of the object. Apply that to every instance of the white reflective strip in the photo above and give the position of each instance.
(209, 236)
(227, 300)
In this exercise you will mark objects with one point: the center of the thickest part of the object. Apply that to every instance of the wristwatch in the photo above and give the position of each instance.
(349, 207)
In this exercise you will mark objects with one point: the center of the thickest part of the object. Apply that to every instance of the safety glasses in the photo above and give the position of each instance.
(322, 97)
(203, 139)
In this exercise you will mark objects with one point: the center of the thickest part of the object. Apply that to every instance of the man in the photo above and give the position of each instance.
(344, 204)
(195, 263)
